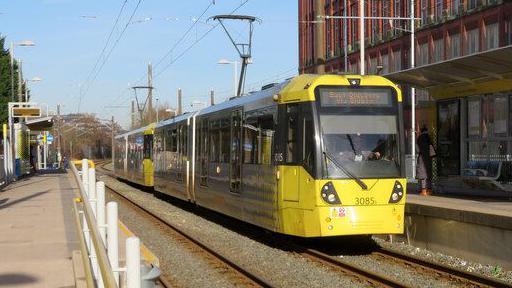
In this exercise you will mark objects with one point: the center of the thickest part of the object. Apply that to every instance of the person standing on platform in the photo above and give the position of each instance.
(426, 152)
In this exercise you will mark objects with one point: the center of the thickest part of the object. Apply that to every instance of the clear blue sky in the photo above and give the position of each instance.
(69, 36)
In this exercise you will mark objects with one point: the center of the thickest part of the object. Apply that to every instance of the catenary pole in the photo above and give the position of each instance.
(361, 37)
(413, 95)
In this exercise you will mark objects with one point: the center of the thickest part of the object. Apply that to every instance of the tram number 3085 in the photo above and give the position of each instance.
(365, 201)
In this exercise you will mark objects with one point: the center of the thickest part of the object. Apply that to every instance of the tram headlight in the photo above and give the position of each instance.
(397, 194)
(329, 194)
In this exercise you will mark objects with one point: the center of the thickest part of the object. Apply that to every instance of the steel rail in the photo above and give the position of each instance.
(461, 275)
(372, 277)
(257, 279)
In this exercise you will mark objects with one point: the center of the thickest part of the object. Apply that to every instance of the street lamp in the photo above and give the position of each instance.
(235, 63)
(23, 43)
(35, 79)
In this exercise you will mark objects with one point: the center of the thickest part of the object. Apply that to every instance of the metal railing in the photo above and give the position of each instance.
(98, 235)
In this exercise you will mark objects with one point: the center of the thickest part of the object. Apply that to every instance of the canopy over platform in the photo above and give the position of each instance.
(40, 124)
(472, 70)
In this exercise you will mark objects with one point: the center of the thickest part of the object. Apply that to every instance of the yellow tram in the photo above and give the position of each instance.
(133, 156)
(314, 156)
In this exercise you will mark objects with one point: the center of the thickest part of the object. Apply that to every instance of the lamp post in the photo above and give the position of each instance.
(35, 79)
(9, 168)
(24, 43)
(235, 71)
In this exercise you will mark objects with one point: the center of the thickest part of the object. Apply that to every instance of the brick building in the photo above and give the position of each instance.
(448, 29)
(463, 63)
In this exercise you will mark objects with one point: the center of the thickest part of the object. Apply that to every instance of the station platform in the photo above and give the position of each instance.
(478, 229)
(37, 232)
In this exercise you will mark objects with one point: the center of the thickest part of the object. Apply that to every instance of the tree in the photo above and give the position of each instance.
(5, 80)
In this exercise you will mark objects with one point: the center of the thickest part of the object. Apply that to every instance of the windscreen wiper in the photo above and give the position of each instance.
(345, 170)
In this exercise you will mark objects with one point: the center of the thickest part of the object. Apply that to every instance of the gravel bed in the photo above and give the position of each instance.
(408, 276)
(178, 263)
(487, 270)
(281, 268)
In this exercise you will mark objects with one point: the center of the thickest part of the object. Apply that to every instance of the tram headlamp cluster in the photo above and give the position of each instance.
(397, 194)
(329, 194)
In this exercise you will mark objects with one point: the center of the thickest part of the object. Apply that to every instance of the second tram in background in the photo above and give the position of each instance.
(314, 156)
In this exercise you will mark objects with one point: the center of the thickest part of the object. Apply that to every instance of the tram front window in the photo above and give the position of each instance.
(364, 146)
(360, 132)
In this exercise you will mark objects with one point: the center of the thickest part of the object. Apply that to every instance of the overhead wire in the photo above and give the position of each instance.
(169, 52)
(100, 56)
(174, 60)
(109, 53)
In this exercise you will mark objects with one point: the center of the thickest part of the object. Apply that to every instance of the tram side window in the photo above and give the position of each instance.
(292, 113)
(183, 141)
(225, 139)
(174, 140)
(267, 127)
(148, 146)
(308, 141)
(251, 141)
(214, 141)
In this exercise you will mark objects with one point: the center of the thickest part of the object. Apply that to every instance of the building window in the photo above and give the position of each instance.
(491, 36)
(439, 9)
(396, 61)
(508, 32)
(474, 117)
(374, 22)
(373, 66)
(473, 43)
(337, 42)
(472, 4)
(424, 12)
(454, 50)
(397, 13)
(385, 13)
(438, 50)
(354, 26)
(500, 115)
(422, 54)
(455, 5)
(385, 64)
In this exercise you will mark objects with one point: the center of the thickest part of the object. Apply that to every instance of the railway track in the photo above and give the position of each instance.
(465, 278)
(241, 276)
(367, 278)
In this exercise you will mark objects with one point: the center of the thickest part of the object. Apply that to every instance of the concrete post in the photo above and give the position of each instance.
(133, 262)
(85, 178)
(112, 239)
(100, 210)
(92, 189)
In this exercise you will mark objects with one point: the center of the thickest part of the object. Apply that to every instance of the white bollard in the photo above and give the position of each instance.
(85, 172)
(112, 238)
(100, 210)
(92, 189)
(133, 262)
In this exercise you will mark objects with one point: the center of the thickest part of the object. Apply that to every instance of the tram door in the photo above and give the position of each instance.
(236, 152)
(289, 116)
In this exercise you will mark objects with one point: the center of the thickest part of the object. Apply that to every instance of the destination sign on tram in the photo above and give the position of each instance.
(355, 97)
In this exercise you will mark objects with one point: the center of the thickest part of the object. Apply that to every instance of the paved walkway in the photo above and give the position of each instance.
(37, 232)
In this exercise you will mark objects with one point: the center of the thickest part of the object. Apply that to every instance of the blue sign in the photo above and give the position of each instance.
(49, 138)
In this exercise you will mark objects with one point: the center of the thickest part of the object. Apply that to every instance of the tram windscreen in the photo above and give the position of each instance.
(363, 141)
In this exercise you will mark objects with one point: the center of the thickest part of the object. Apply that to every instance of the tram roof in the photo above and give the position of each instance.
(494, 64)
(138, 130)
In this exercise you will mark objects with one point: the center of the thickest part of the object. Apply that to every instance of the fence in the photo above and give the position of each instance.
(98, 235)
